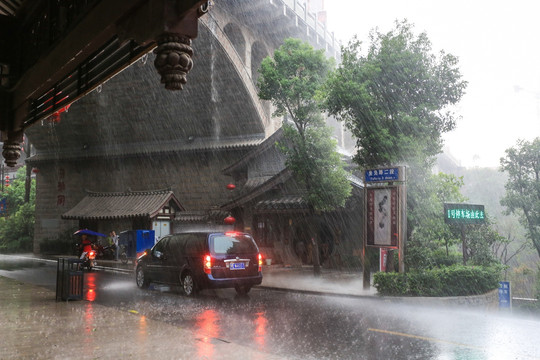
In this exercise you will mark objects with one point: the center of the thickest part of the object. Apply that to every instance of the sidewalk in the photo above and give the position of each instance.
(329, 282)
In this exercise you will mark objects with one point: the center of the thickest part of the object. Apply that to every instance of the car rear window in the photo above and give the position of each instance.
(232, 244)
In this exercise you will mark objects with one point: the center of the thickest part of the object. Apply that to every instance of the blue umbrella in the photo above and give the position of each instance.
(88, 232)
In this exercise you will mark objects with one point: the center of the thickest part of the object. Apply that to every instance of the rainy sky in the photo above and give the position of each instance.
(497, 43)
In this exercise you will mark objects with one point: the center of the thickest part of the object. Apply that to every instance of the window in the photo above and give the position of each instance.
(224, 245)
(195, 244)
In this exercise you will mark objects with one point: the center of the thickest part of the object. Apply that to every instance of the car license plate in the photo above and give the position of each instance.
(237, 266)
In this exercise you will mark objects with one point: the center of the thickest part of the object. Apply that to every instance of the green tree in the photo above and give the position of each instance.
(15, 193)
(480, 242)
(395, 99)
(17, 228)
(432, 239)
(522, 163)
(292, 79)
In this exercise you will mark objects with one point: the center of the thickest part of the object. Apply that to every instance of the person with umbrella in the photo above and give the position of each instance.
(86, 245)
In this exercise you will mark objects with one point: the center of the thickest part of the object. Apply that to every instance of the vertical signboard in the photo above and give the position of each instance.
(383, 259)
(505, 300)
(382, 217)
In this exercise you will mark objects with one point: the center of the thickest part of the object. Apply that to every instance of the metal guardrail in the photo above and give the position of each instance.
(310, 19)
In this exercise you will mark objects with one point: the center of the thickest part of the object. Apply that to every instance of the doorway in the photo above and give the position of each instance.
(161, 228)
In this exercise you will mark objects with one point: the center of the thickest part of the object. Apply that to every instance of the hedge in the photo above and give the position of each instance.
(456, 280)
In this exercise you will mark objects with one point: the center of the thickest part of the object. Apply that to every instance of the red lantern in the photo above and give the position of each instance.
(35, 170)
(229, 220)
(55, 117)
(231, 187)
(7, 180)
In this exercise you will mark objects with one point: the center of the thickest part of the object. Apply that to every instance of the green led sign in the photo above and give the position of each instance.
(464, 214)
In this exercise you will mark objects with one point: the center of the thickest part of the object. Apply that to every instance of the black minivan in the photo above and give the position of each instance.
(202, 260)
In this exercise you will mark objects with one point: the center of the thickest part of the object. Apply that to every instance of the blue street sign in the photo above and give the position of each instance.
(505, 300)
(381, 175)
(3, 207)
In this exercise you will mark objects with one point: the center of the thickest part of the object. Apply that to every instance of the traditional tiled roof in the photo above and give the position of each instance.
(101, 206)
(263, 146)
(202, 216)
(164, 147)
(355, 181)
(286, 202)
(255, 190)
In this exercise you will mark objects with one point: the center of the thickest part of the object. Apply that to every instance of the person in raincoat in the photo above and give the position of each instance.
(86, 245)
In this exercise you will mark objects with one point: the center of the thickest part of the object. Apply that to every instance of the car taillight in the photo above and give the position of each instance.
(260, 262)
(208, 264)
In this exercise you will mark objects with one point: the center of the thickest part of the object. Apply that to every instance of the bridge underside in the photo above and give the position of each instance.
(132, 113)
(54, 53)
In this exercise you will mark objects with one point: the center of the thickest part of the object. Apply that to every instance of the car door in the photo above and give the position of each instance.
(174, 258)
(156, 265)
(195, 250)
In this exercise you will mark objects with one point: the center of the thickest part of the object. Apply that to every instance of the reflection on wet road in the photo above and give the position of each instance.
(301, 326)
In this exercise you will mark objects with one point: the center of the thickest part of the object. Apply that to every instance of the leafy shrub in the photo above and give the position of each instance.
(440, 258)
(456, 280)
(424, 283)
(392, 283)
(418, 257)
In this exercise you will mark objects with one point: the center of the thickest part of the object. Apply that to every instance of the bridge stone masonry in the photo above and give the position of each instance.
(131, 133)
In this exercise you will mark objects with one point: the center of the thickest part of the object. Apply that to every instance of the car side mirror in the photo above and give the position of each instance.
(159, 255)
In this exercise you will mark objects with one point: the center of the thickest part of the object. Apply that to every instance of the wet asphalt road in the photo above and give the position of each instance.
(301, 326)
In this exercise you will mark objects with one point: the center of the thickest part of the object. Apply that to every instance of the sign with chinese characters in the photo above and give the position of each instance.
(505, 300)
(3, 207)
(61, 198)
(382, 217)
(383, 175)
(383, 259)
(464, 214)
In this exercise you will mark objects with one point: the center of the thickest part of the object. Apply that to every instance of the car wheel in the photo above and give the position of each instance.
(242, 289)
(188, 284)
(141, 278)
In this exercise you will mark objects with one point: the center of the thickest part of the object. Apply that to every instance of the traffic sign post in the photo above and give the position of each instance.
(385, 205)
(505, 295)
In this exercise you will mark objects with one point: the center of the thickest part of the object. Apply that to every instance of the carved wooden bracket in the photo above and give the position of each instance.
(173, 59)
(174, 53)
(12, 148)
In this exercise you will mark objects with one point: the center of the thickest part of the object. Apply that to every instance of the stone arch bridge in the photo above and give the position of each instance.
(129, 133)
